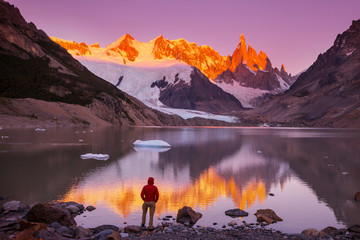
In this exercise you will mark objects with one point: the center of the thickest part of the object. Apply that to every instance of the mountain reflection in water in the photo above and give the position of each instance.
(209, 169)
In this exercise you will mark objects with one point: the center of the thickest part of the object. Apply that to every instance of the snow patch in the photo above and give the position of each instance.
(283, 84)
(243, 94)
(152, 143)
(95, 156)
(137, 81)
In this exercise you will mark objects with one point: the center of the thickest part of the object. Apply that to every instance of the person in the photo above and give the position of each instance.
(150, 195)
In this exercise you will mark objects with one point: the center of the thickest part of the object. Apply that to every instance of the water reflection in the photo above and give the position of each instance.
(211, 170)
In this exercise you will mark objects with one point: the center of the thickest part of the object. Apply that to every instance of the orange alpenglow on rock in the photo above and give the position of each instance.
(127, 50)
(248, 56)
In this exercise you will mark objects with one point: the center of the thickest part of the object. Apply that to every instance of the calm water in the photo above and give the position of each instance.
(313, 173)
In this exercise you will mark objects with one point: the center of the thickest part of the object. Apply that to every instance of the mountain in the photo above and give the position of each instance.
(325, 95)
(41, 83)
(246, 75)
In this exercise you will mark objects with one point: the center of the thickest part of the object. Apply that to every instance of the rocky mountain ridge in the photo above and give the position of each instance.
(245, 60)
(327, 94)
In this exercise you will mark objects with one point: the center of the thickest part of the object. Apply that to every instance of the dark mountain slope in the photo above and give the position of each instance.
(327, 94)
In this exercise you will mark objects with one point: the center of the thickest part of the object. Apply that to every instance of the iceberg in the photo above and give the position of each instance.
(152, 149)
(40, 129)
(152, 144)
(95, 156)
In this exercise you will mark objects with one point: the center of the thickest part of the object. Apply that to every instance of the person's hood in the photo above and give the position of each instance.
(151, 181)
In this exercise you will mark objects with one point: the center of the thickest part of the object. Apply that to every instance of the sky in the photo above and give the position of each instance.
(290, 32)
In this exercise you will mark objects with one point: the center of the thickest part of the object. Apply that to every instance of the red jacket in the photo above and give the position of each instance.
(150, 192)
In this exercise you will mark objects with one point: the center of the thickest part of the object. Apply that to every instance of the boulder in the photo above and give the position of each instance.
(6, 225)
(105, 227)
(267, 215)
(14, 206)
(103, 234)
(312, 232)
(236, 213)
(65, 231)
(357, 196)
(46, 213)
(81, 232)
(24, 235)
(34, 227)
(90, 208)
(132, 229)
(331, 231)
(46, 235)
(73, 209)
(114, 236)
(187, 216)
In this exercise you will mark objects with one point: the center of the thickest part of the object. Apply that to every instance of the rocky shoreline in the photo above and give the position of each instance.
(55, 220)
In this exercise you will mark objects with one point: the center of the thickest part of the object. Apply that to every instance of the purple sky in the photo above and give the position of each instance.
(288, 31)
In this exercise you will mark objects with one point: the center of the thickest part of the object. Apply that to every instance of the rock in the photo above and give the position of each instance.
(312, 232)
(55, 225)
(73, 209)
(271, 194)
(46, 235)
(103, 234)
(2, 198)
(357, 196)
(24, 235)
(232, 224)
(81, 232)
(165, 219)
(187, 215)
(106, 227)
(65, 231)
(124, 235)
(331, 231)
(14, 206)
(267, 215)
(90, 208)
(132, 229)
(34, 227)
(223, 226)
(114, 236)
(8, 225)
(214, 223)
(144, 234)
(236, 213)
(169, 216)
(354, 228)
(45, 213)
(78, 205)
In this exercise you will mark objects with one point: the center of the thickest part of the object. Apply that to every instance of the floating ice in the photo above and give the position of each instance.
(331, 165)
(81, 140)
(344, 173)
(259, 152)
(95, 156)
(152, 149)
(152, 144)
(40, 129)
(4, 136)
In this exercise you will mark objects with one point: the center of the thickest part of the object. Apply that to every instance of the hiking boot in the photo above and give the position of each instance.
(142, 226)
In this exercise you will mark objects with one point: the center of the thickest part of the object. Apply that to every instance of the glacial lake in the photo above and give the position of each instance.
(312, 173)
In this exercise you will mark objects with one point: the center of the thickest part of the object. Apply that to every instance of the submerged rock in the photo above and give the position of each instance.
(236, 213)
(267, 215)
(90, 208)
(187, 216)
